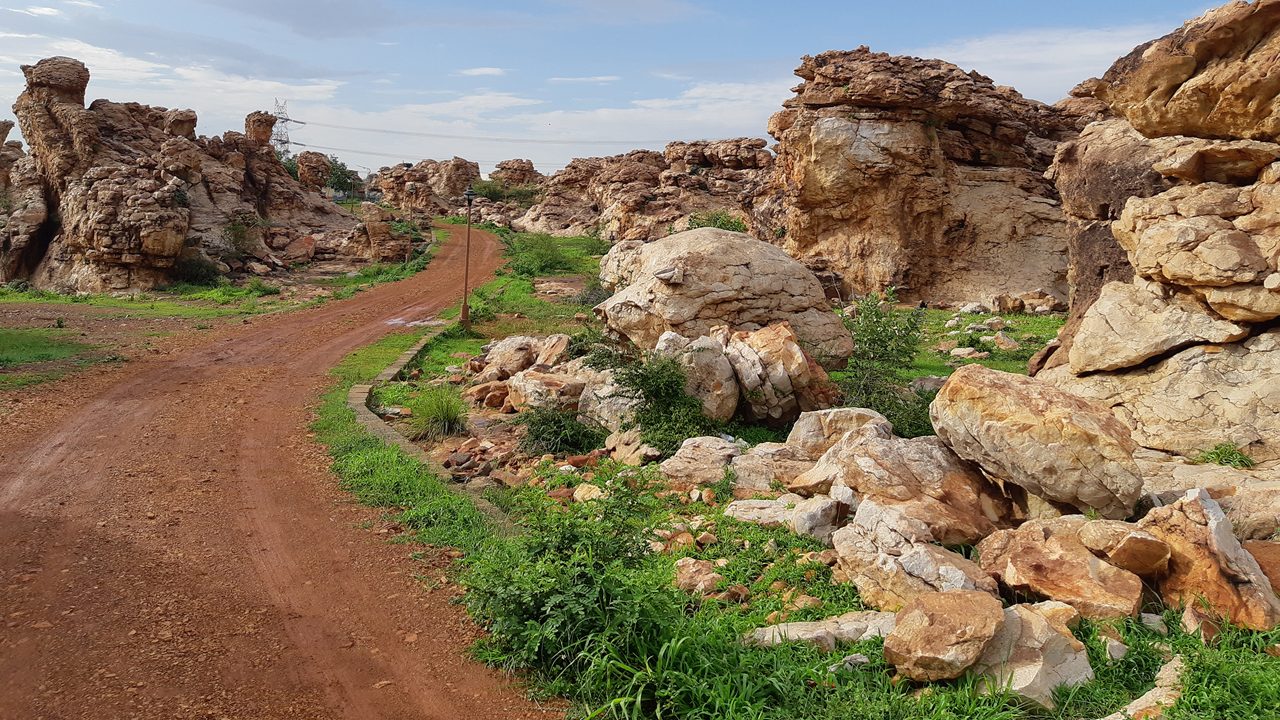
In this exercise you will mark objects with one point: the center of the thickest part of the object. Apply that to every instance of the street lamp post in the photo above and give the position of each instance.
(465, 319)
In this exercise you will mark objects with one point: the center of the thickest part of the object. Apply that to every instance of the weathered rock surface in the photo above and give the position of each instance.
(816, 517)
(1052, 443)
(536, 389)
(1208, 565)
(920, 478)
(1134, 322)
(850, 627)
(645, 195)
(1268, 556)
(939, 636)
(1152, 704)
(697, 577)
(1046, 558)
(516, 172)
(1250, 498)
(606, 403)
(778, 380)
(815, 432)
(700, 461)
(709, 376)
(111, 195)
(891, 560)
(915, 174)
(696, 280)
(768, 466)
(1196, 398)
(1125, 546)
(314, 169)
(508, 356)
(1210, 78)
(1034, 653)
(431, 186)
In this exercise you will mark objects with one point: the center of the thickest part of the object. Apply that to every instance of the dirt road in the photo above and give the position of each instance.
(172, 544)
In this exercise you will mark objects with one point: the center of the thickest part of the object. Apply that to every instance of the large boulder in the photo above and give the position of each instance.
(709, 376)
(1046, 558)
(700, 461)
(768, 466)
(1027, 432)
(693, 281)
(1250, 498)
(920, 477)
(913, 173)
(1210, 78)
(1207, 564)
(939, 636)
(815, 432)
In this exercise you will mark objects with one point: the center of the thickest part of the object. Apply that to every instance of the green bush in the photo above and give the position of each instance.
(667, 415)
(258, 288)
(1225, 454)
(593, 293)
(534, 255)
(579, 581)
(438, 412)
(886, 341)
(559, 432)
(717, 219)
(196, 270)
(522, 195)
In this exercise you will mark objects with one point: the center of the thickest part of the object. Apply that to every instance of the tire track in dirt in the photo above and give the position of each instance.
(174, 546)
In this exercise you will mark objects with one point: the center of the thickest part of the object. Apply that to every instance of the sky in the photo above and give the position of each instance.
(384, 81)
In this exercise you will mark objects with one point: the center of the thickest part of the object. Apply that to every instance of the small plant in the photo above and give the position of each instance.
(1225, 454)
(593, 293)
(717, 219)
(886, 341)
(438, 412)
(258, 288)
(181, 198)
(667, 415)
(556, 431)
(196, 270)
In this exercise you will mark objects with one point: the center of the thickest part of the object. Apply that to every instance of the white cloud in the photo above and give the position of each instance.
(36, 11)
(482, 71)
(83, 3)
(1044, 63)
(587, 80)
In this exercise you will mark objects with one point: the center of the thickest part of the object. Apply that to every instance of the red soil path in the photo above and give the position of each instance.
(172, 544)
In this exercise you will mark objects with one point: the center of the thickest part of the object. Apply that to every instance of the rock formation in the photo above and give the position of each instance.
(1181, 179)
(111, 196)
(646, 195)
(431, 186)
(913, 173)
(313, 170)
(693, 281)
(517, 172)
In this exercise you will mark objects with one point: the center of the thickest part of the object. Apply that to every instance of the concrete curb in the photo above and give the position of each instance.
(359, 399)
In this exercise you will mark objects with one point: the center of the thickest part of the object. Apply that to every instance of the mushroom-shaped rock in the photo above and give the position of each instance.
(693, 281)
(1027, 432)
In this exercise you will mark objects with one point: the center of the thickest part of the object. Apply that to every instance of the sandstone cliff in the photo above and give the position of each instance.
(431, 186)
(111, 196)
(912, 173)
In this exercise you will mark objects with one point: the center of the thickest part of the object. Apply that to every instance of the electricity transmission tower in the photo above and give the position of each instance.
(280, 135)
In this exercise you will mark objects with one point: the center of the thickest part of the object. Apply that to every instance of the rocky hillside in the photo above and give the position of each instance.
(113, 196)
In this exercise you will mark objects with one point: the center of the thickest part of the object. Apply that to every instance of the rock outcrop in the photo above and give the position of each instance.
(516, 172)
(314, 169)
(113, 195)
(915, 174)
(431, 186)
(693, 281)
(646, 195)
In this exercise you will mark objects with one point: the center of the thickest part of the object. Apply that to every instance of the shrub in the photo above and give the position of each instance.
(667, 415)
(196, 270)
(438, 412)
(559, 432)
(522, 195)
(593, 293)
(258, 288)
(717, 219)
(534, 255)
(1225, 454)
(886, 341)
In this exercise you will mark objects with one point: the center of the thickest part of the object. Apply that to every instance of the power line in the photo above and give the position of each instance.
(445, 136)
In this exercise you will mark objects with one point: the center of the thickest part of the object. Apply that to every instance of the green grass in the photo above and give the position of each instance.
(438, 412)
(1226, 454)
(26, 346)
(1031, 331)
(138, 305)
